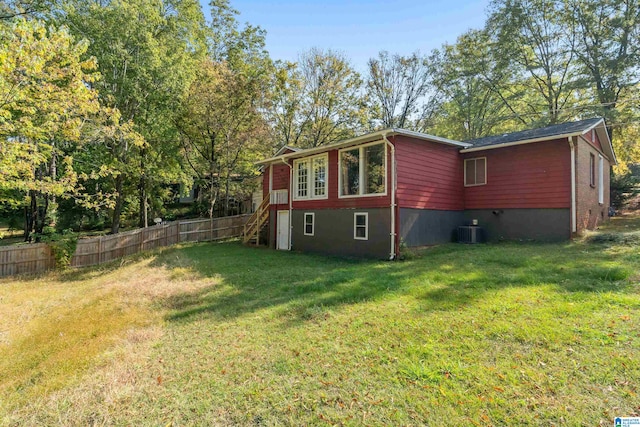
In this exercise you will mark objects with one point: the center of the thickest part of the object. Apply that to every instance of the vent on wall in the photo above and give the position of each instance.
(469, 234)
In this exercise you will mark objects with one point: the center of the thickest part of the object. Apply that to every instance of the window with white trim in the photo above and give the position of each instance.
(475, 171)
(592, 169)
(302, 179)
(309, 223)
(319, 165)
(600, 179)
(310, 178)
(361, 225)
(363, 170)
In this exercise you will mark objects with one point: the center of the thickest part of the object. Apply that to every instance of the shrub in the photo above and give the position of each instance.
(63, 245)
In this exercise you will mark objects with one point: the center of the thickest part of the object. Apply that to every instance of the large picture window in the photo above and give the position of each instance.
(310, 178)
(475, 171)
(363, 171)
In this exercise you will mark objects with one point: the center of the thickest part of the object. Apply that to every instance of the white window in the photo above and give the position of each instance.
(319, 176)
(310, 178)
(475, 171)
(600, 179)
(361, 226)
(363, 171)
(309, 223)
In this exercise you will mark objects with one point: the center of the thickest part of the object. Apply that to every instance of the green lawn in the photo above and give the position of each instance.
(220, 334)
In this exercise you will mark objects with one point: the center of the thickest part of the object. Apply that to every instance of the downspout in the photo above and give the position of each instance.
(290, 197)
(574, 215)
(392, 148)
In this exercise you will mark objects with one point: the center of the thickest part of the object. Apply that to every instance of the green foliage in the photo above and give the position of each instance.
(399, 88)
(222, 129)
(623, 188)
(147, 52)
(318, 100)
(63, 245)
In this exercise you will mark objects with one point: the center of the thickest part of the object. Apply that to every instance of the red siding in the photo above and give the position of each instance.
(536, 175)
(334, 202)
(429, 175)
(280, 178)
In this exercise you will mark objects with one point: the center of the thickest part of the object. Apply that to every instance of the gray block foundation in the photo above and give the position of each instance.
(333, 233)
(421, 227)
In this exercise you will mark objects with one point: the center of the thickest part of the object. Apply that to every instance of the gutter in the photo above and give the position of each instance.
(393, 204)
(574, 215)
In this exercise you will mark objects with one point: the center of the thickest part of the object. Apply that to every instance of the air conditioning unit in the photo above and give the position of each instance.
(469, 234)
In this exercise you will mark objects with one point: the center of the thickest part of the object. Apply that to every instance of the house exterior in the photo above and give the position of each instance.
(367, 195)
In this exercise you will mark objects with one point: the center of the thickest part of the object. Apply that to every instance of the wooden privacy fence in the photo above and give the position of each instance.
(22, 259)
(35, 258)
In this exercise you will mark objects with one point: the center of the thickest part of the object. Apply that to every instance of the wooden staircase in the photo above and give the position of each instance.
(256, 222)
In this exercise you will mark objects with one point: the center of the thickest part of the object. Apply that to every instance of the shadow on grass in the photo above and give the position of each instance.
(441, 278)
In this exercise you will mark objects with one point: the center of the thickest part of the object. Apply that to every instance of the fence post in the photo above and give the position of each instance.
(165, 235)
(100, 251)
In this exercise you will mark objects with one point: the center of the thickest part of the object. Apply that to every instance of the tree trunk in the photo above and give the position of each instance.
(226, 195)
(143, 203)
(31, 216)
(142, 191)
(117, 210)
(41, 217)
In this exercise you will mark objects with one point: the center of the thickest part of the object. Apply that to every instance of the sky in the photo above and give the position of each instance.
(359, 28)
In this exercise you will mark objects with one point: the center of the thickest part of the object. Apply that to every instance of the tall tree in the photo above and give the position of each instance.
(45, 100)
(540, 46)
(222, 129)
(286, 113)
(333, 101)
(608, 48)
(467, 77)
(147, 51)
(397, 86)
(317, 101)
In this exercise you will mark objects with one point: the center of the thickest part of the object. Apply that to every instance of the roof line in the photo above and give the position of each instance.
(524, 141)
(593, 125)
(363, 138)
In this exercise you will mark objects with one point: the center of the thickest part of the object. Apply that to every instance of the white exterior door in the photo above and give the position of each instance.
(283, 231)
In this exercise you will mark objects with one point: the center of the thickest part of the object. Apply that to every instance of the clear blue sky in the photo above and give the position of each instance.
(359, 28)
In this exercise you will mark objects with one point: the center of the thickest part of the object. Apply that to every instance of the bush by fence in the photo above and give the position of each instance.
(36, 258)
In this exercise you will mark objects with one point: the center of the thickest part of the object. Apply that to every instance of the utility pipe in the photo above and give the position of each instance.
(290, 197)
(574, 215)
(392, 148)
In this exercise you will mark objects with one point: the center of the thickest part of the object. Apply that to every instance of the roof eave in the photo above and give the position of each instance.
(310, 151)
(525, 141)
(361, 139)
(428, 137)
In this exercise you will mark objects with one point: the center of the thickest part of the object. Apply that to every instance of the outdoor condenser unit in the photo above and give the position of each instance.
(469, 234)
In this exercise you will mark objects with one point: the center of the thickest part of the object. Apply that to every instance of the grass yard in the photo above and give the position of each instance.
(220, 334)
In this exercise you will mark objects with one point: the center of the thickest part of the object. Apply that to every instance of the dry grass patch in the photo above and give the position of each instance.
(56, 328)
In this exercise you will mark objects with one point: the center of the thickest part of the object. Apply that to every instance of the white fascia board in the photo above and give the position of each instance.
(370, 137)
(427, 137)
(603, 135)
(311, 151)
(596, 124)
(526, 141)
